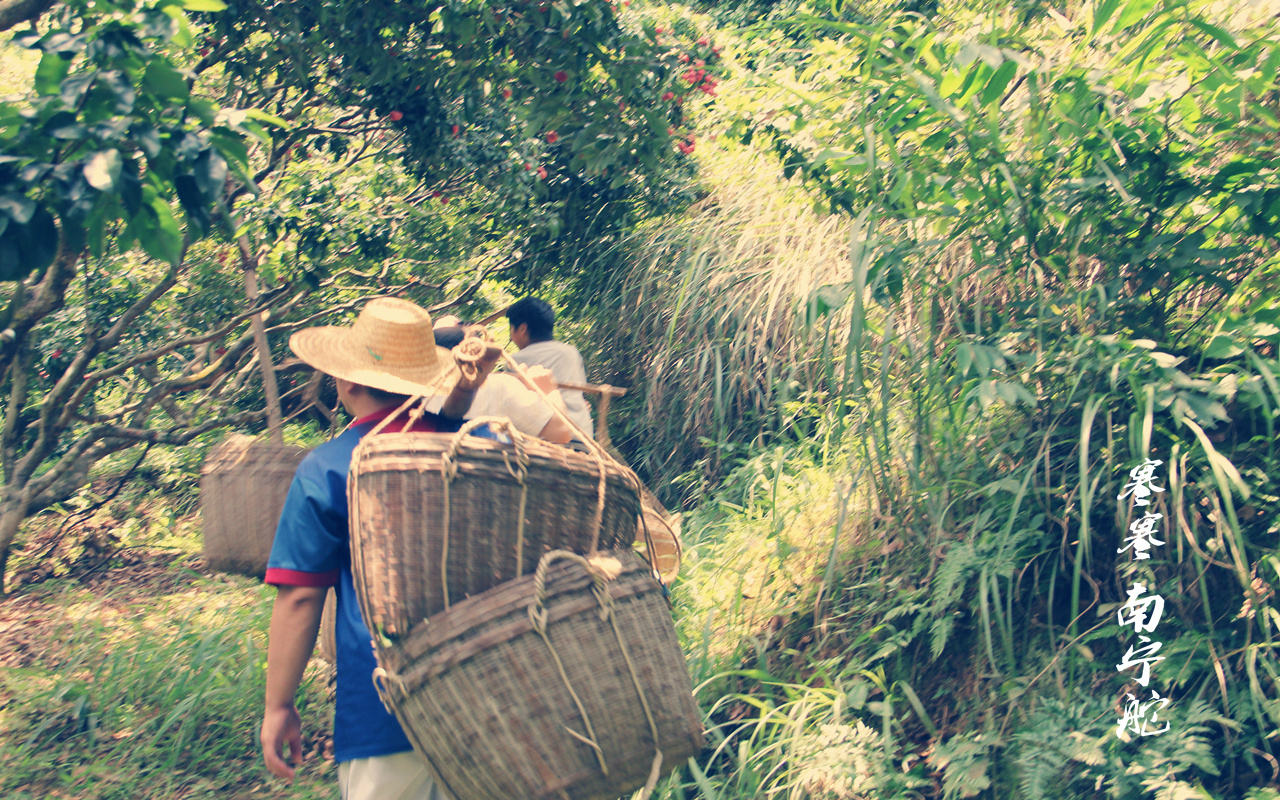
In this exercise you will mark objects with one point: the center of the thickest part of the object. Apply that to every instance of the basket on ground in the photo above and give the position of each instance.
(436, 518)
(565, 684)
(243, 485)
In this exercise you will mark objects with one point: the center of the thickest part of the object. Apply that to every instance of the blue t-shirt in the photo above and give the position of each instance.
(312, 548)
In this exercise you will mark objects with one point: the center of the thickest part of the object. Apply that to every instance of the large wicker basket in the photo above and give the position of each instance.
(432, 513)
(564, 684)
(658, 532)
(243, 486)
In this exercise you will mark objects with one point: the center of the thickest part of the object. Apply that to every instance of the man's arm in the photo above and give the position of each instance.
(556, 430)
(295, 618)
(476, 359)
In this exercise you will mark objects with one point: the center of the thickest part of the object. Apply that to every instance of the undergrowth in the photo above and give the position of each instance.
(157, 698)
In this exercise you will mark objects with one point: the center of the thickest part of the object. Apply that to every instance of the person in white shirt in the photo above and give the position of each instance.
(508, 397)
(532, 323)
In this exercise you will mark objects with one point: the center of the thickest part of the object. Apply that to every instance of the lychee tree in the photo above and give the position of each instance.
(558, 120)
(164, 143)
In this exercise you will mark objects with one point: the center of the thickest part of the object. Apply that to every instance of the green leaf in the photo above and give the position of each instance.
(964, 357)
(1135, 11)
(18, 207)
(951, 83)
(28, 248)
(1166, 360)
(204, 109)
(50, 73)
(165, 81)
(999, 82)
(102, 170)
(1223, 38)
(1102, 12)
(270, 119)
(826, 299)
(1222, 346)
(203, 5)
(182, 36)
(156, 229)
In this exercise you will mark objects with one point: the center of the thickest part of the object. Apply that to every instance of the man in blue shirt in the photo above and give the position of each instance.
(388, 355)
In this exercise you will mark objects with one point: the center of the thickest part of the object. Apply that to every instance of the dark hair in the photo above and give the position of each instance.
(385, 397)
(537, 314)
(450, 336)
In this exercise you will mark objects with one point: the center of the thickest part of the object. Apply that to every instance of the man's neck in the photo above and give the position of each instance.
(365, 406)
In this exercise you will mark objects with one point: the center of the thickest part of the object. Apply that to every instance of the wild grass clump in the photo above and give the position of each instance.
(1043, 276)
(726, 342)
(155, 699)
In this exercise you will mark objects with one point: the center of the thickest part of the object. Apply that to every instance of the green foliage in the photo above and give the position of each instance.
(112, 132)
(560, 122)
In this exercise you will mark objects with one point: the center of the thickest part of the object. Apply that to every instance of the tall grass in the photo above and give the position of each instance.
(983, 414)
(728, 335)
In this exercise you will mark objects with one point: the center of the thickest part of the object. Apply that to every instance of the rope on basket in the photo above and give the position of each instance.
(594, 447)
(539, 614)
(656, 769)
(449, 471)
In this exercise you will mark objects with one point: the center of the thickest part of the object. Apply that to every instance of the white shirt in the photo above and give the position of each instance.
(565, 363)
(505, 396)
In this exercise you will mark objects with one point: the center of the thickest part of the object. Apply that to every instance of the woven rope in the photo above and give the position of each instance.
(538, 615)
(449, 471)
(648, 712)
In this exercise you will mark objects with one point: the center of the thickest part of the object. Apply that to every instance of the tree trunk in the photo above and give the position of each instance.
(12, 511)
(13, 12)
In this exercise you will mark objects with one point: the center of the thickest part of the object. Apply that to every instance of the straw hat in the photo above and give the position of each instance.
(390, 347)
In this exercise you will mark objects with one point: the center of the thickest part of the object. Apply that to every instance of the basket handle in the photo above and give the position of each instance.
(538, 608)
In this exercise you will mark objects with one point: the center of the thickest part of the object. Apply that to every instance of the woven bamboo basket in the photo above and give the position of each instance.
(436, 518)
(243, 485)
(565, 684)
(658, 532)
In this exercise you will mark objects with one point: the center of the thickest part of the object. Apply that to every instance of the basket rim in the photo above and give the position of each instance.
(428, 444)
(436, 644)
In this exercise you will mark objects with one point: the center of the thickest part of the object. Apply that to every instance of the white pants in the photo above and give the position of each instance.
(403, 776)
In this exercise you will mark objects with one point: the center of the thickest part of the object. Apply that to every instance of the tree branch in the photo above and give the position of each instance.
(70, 472)
(72, 381)
(46, 297)
(17, 399)
(15, 12)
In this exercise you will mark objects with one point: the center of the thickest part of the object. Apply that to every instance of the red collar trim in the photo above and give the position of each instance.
(376, 416)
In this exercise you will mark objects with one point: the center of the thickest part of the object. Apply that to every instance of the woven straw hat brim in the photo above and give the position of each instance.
(335, 351)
